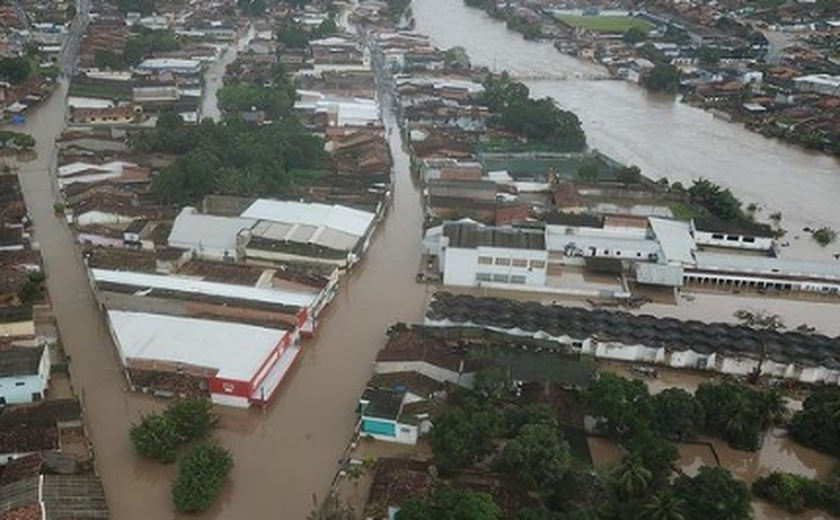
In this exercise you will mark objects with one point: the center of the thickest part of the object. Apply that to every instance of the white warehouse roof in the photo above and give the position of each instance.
(330, 226)
(201, 287)
(237, 351)
(193, 230)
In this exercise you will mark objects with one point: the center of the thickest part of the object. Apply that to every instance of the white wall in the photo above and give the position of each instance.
(18, 328)
(19, 389)
(461, 266)
(230, 400)
(708, 239)
(101, 217)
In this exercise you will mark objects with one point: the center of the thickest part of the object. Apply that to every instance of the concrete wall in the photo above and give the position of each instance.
(20, 389)
(18, 328)
(464, 267)
(733, 241)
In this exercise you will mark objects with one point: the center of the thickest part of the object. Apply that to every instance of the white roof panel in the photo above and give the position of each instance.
(674, 237)
(237, 351)
(201, 287)
(341, 218)
(193, 230)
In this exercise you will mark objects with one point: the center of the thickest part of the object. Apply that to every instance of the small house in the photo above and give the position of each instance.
(24, 374)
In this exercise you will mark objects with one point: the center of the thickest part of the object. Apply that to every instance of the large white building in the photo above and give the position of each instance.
(818, 83)
(242, 364)
(472, 255)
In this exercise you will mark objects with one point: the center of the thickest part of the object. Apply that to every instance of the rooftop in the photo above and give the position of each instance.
(194, 230)
(382, 403)
(20, 361)
(236, 351)
(322, 216)
(716, 225)
(532, 319)
(471, 236)
(674, 238)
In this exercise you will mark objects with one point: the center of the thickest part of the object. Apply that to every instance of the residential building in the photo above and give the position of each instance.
(24, 374)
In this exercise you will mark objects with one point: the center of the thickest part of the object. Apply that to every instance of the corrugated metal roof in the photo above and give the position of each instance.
(675, 239)
(351, 221)
(193, 230)
(768, 266)
(200, 287)
(237, 351)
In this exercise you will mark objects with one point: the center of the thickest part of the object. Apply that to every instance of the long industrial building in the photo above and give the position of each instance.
(718, 347)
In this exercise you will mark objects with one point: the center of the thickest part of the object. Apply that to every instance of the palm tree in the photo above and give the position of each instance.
(664, 506)
(632, 478)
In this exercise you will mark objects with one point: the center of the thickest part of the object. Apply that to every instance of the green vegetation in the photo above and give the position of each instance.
(535, 120)
(663, 78)
(16, 140)
(738, 413)
(617, 24)
(635, 35)
(229, 158)
(720, 202)
(395, 9)
(295, 36)
(464, 433)
(450, 504)
(144, 7)
(714, 494)
(201, 475)
(147, 44)
(158, 436)
(824, 235)
(682, 211)
(817, 425)
(15, 70)
(795, 493)
(33, 288)
(252, 7)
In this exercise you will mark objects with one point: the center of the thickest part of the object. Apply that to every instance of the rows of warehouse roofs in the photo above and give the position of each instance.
(215, 298)
(718, 347)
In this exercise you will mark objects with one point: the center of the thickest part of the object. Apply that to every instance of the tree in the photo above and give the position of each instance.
(630, 174)
(738, 413)
(450, 504)
(635, 35)
(817, 425)
(457, 58)
(708, 56)
(15, 70)
(718, 201)
(714, 494)
(623, 403)
(824, 235)
(147, 44)
(463, 433)
(155, 437)
(664, 77)
(538, 456)
(655, 453)
(108, 60)
(193, 419)
(663, 506)
(792, 492)
(201, 475)
(494, 383)
(632, 479)
(677, 415)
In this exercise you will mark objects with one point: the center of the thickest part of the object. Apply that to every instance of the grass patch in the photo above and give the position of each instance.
(606, 23)
(683, 211)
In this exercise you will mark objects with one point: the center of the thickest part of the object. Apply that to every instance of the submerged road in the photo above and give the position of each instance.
(284, 454)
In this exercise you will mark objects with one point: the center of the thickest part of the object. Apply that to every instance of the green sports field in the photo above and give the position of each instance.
(606, 23)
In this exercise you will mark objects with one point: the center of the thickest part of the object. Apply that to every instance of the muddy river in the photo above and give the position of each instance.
(663, 137)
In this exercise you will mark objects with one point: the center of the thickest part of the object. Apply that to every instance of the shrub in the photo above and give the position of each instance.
(794, 493)
(155, 438)
(201, 475)
(824, 235)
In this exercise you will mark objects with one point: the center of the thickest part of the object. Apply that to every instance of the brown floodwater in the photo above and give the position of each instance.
(663, 137)
(283, 454)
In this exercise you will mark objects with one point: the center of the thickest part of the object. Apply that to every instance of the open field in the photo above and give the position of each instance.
(605, 23)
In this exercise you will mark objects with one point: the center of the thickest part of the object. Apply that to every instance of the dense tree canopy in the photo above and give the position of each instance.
(664, 77)
(718, 201)
(201, 475)
(15, 70)
(714, 494)
(536, 120)
(677, 415)
(465, 432)
(450, 504)
(739, 413)
(158, 436)
(147, 44)
(231, 158)
(818, 423)
(538, 457)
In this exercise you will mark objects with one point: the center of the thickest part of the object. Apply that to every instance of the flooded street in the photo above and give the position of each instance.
(283, 455)
(214, 76)
(663, 137)
(288, 452)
